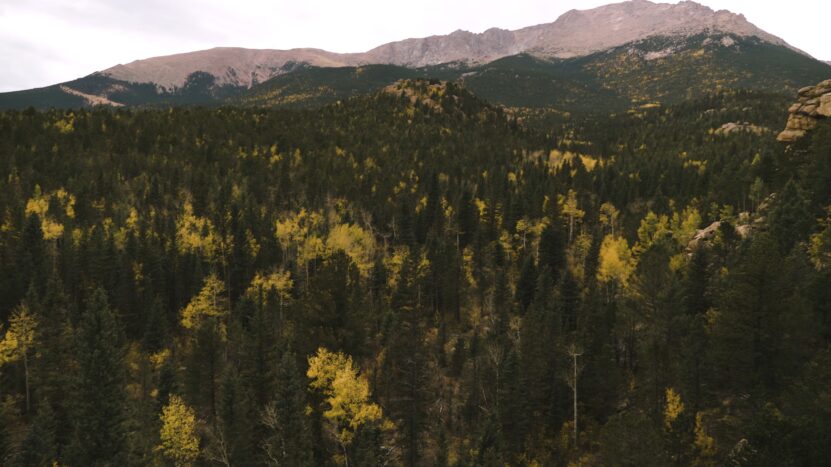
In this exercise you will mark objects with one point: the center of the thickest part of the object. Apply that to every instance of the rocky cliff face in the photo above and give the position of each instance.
(576, 33)
(814, 104)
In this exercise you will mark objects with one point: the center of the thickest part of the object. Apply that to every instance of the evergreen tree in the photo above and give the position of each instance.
(790, 219)
(540, 349)
(527, 284)
(98, 396)
(552, 250)
(235, 420)
(749, 330)
(406, 373)
(40, 445)
(288, 436)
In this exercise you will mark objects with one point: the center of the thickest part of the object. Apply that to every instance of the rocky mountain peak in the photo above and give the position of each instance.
(575, 33)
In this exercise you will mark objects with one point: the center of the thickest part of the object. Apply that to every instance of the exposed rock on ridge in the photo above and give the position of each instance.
(90, 98)
(731, 128)
(814, 104)
(230, 65)
(575, 33)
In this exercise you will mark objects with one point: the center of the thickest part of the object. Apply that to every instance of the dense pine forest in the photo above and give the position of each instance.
(417, 278)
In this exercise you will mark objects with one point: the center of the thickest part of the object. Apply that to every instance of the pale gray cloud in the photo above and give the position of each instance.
(43, 42)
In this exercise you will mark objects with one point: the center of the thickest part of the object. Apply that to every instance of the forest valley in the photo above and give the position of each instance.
(415, 277)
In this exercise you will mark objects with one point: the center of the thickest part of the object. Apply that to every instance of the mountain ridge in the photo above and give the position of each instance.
(612, 58)
(575, 33)
(659, 70)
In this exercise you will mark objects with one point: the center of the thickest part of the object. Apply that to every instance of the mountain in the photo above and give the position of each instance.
(560, 55)
(654, 71)
(230, 65)
(575, 33)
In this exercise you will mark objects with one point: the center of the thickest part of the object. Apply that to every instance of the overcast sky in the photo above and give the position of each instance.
(44, 42)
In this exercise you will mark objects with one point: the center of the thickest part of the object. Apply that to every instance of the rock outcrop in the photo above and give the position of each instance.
(742, 127)
(814, 104)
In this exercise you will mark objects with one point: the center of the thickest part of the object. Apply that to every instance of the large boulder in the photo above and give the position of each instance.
(814, 104)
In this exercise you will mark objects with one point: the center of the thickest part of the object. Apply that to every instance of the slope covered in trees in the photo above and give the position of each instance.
(414, 278)
(654, 71)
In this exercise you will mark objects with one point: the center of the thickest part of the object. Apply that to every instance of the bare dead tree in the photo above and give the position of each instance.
(574, 351)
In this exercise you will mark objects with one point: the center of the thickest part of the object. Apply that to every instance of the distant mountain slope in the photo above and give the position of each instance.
(655, 71)
(199, 89)
(634, 51)
(230, 65)
(313, 86)
(666, 69)
(576, 33)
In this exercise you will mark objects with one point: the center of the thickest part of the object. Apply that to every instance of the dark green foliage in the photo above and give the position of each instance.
(406, 377)
(631, 438)
(614, 80)
(40, 446)
(791, 218)
(552, 254)
(749, 341)
(98, 395)
(464, 314)
(288, 434)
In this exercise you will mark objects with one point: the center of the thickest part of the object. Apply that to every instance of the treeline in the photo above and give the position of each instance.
(413, 278)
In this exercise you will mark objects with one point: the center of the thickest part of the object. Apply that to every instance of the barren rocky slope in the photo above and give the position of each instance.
(576, 33)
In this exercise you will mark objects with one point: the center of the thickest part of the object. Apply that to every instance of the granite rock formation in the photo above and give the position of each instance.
(813, 104)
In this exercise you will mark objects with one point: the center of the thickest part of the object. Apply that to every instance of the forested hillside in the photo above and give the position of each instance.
(415, 278)
(659, 70)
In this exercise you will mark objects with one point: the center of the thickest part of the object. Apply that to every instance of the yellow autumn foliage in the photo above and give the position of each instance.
(66, 125)
(616, 260)
(705, 443)
(468, 266)
(673, 408)
(311, 248)
(195, 234)
(685, 225)
(609, 216)
(159, 358)
(557, 159)
(652, 228)
(819, 245)
(570, 209)
(357, 243)
(19, 337)
(346, 392)
(179, 440)
(278, 281)
(293, 228)
(39, 206)
(481, 206)
(394, 263)
(208, 303)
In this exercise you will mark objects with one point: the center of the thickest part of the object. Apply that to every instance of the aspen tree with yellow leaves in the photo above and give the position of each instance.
(417, 276)
(178, 434)
(17, 342)
(348, 407)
